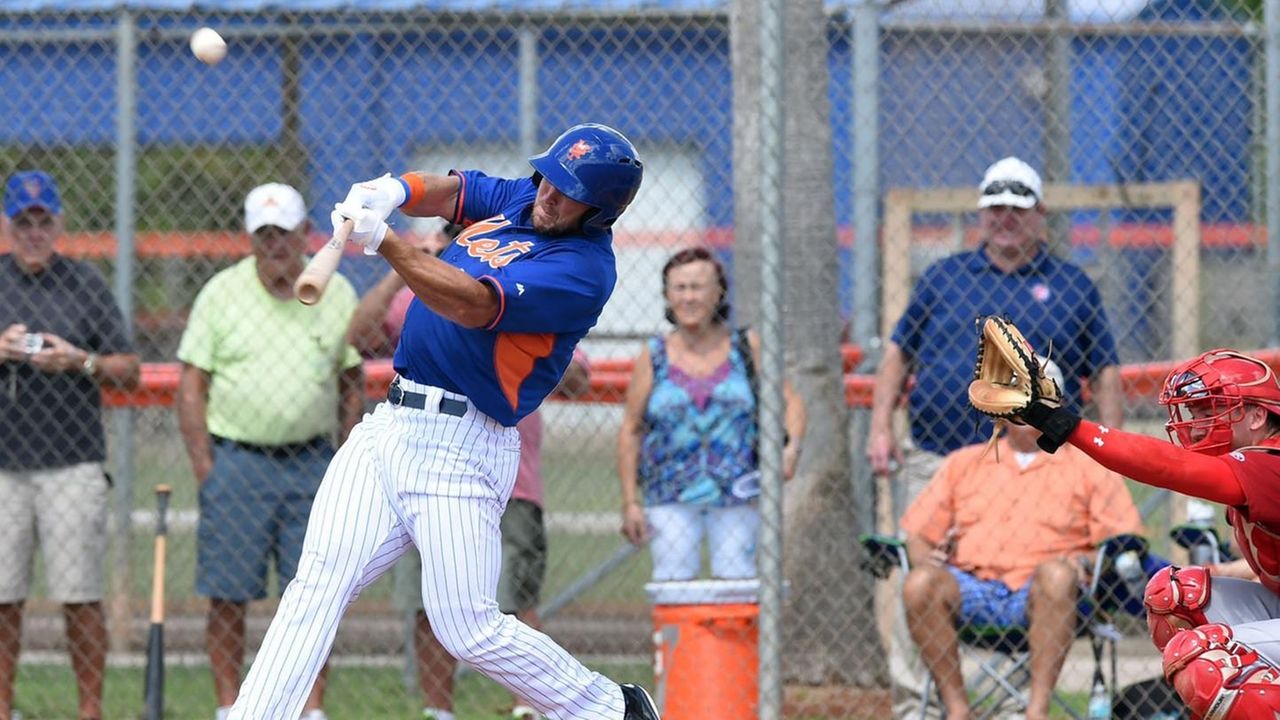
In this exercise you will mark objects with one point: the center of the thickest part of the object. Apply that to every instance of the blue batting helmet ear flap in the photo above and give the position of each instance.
(595, 165)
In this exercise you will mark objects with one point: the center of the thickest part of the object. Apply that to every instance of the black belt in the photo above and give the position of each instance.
(319, 442)
(400, 397)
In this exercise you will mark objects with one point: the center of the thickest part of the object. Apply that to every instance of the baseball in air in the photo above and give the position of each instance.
(208, 46)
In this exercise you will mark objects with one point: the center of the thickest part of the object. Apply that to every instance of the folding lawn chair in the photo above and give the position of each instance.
(1202, 544)
(1004, 671)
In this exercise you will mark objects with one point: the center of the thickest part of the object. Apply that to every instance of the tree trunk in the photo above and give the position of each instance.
(829, 625)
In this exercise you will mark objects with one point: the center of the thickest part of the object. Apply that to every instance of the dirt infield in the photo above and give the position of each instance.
(802, 702)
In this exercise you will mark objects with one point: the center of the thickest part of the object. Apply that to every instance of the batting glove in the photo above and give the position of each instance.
(367, 229)
(381, 195)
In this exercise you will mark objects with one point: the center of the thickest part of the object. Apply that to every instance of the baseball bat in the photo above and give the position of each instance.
(154, 687)
(315, 276)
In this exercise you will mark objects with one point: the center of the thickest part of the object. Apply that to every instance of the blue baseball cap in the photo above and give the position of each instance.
(30, 189)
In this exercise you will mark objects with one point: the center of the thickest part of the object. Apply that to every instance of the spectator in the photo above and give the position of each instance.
(64, 336)
(1003, 539)
(267, 384)
(689, 431)
(1012, 271)
(375, 330)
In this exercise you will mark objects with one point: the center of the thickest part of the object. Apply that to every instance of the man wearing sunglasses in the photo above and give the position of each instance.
(1013, 273)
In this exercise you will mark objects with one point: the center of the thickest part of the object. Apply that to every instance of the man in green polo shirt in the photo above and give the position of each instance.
(268, 385)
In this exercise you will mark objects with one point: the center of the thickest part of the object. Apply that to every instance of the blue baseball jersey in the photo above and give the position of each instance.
(550, 293)
(1053, 303)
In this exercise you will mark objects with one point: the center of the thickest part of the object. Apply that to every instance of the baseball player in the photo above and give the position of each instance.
(488, 335)
(1220, 635)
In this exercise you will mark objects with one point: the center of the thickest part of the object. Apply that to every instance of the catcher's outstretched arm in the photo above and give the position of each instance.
(1159, 463)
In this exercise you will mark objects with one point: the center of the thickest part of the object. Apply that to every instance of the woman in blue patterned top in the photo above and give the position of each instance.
(688, 435)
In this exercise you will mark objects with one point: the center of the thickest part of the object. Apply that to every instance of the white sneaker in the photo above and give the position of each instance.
(316, 714)
(436, 714)
(524, 712)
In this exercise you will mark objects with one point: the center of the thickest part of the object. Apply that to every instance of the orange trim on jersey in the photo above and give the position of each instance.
(417, 188)
(513, 358)
(502, 299)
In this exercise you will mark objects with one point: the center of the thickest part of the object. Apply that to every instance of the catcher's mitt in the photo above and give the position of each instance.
(1008, 378)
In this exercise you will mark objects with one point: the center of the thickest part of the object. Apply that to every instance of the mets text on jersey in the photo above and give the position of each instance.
(491, 252)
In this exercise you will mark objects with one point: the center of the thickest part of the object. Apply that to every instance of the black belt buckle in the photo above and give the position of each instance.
(395, 395)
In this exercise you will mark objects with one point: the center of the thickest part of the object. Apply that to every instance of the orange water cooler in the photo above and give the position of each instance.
(706, 649)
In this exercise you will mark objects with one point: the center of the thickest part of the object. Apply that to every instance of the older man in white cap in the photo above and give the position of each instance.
(269, 386)
(1010, 273)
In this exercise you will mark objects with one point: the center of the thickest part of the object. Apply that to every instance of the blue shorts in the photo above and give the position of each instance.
(990, 603)
(254, 507)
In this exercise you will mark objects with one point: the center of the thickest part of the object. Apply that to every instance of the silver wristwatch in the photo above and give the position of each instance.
(90, 365)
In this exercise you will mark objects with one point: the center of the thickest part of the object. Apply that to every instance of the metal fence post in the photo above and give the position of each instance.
(122, 426)
(771, 342)
(1271, 17)
(865, 311)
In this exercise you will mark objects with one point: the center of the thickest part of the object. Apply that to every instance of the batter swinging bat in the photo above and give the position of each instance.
(154, 687)
(315, 276)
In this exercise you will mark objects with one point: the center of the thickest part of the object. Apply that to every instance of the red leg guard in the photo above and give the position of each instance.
(1219, 678)
(1175, 601)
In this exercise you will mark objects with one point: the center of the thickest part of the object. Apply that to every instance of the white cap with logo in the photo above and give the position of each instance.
(274, 204)
(1010, 182)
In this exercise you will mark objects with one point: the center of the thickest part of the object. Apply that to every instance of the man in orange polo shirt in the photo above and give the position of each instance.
(1003, 538)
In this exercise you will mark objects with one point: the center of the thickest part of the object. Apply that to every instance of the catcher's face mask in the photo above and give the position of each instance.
(1207, 396)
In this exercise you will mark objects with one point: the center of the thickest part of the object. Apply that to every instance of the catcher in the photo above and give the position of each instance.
(1220, 636)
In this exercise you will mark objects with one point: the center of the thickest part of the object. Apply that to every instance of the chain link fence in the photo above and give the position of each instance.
(1147, 121)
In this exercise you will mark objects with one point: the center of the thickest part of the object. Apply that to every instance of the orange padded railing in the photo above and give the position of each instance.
(609, 378)
(204, 244)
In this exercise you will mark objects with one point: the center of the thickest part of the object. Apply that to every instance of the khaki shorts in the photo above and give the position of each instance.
(66, 510)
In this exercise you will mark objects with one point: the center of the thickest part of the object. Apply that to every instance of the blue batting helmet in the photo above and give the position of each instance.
(595, 165)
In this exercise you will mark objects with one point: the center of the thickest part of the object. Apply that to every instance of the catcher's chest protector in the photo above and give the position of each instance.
(1260, 545)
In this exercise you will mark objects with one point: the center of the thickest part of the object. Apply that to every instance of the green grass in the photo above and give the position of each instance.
(46, 692)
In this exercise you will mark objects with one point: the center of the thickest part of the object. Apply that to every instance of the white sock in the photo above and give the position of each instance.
(316, 714)
(437, 714)
(222, 713)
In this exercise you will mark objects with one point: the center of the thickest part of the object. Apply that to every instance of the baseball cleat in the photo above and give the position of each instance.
(639, 705)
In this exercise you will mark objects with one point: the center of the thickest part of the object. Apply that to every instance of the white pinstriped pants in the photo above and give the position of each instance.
(439, 482)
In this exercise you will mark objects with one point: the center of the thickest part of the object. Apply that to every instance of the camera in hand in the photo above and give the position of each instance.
(32, 343)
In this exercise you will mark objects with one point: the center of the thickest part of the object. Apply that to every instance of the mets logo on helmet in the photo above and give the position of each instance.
(580, 148)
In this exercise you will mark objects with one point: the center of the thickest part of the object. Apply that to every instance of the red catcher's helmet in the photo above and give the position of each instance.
(1207, 395)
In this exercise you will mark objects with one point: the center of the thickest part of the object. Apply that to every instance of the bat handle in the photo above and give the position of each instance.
(162, 509)
(342, 232)
(311, 284)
